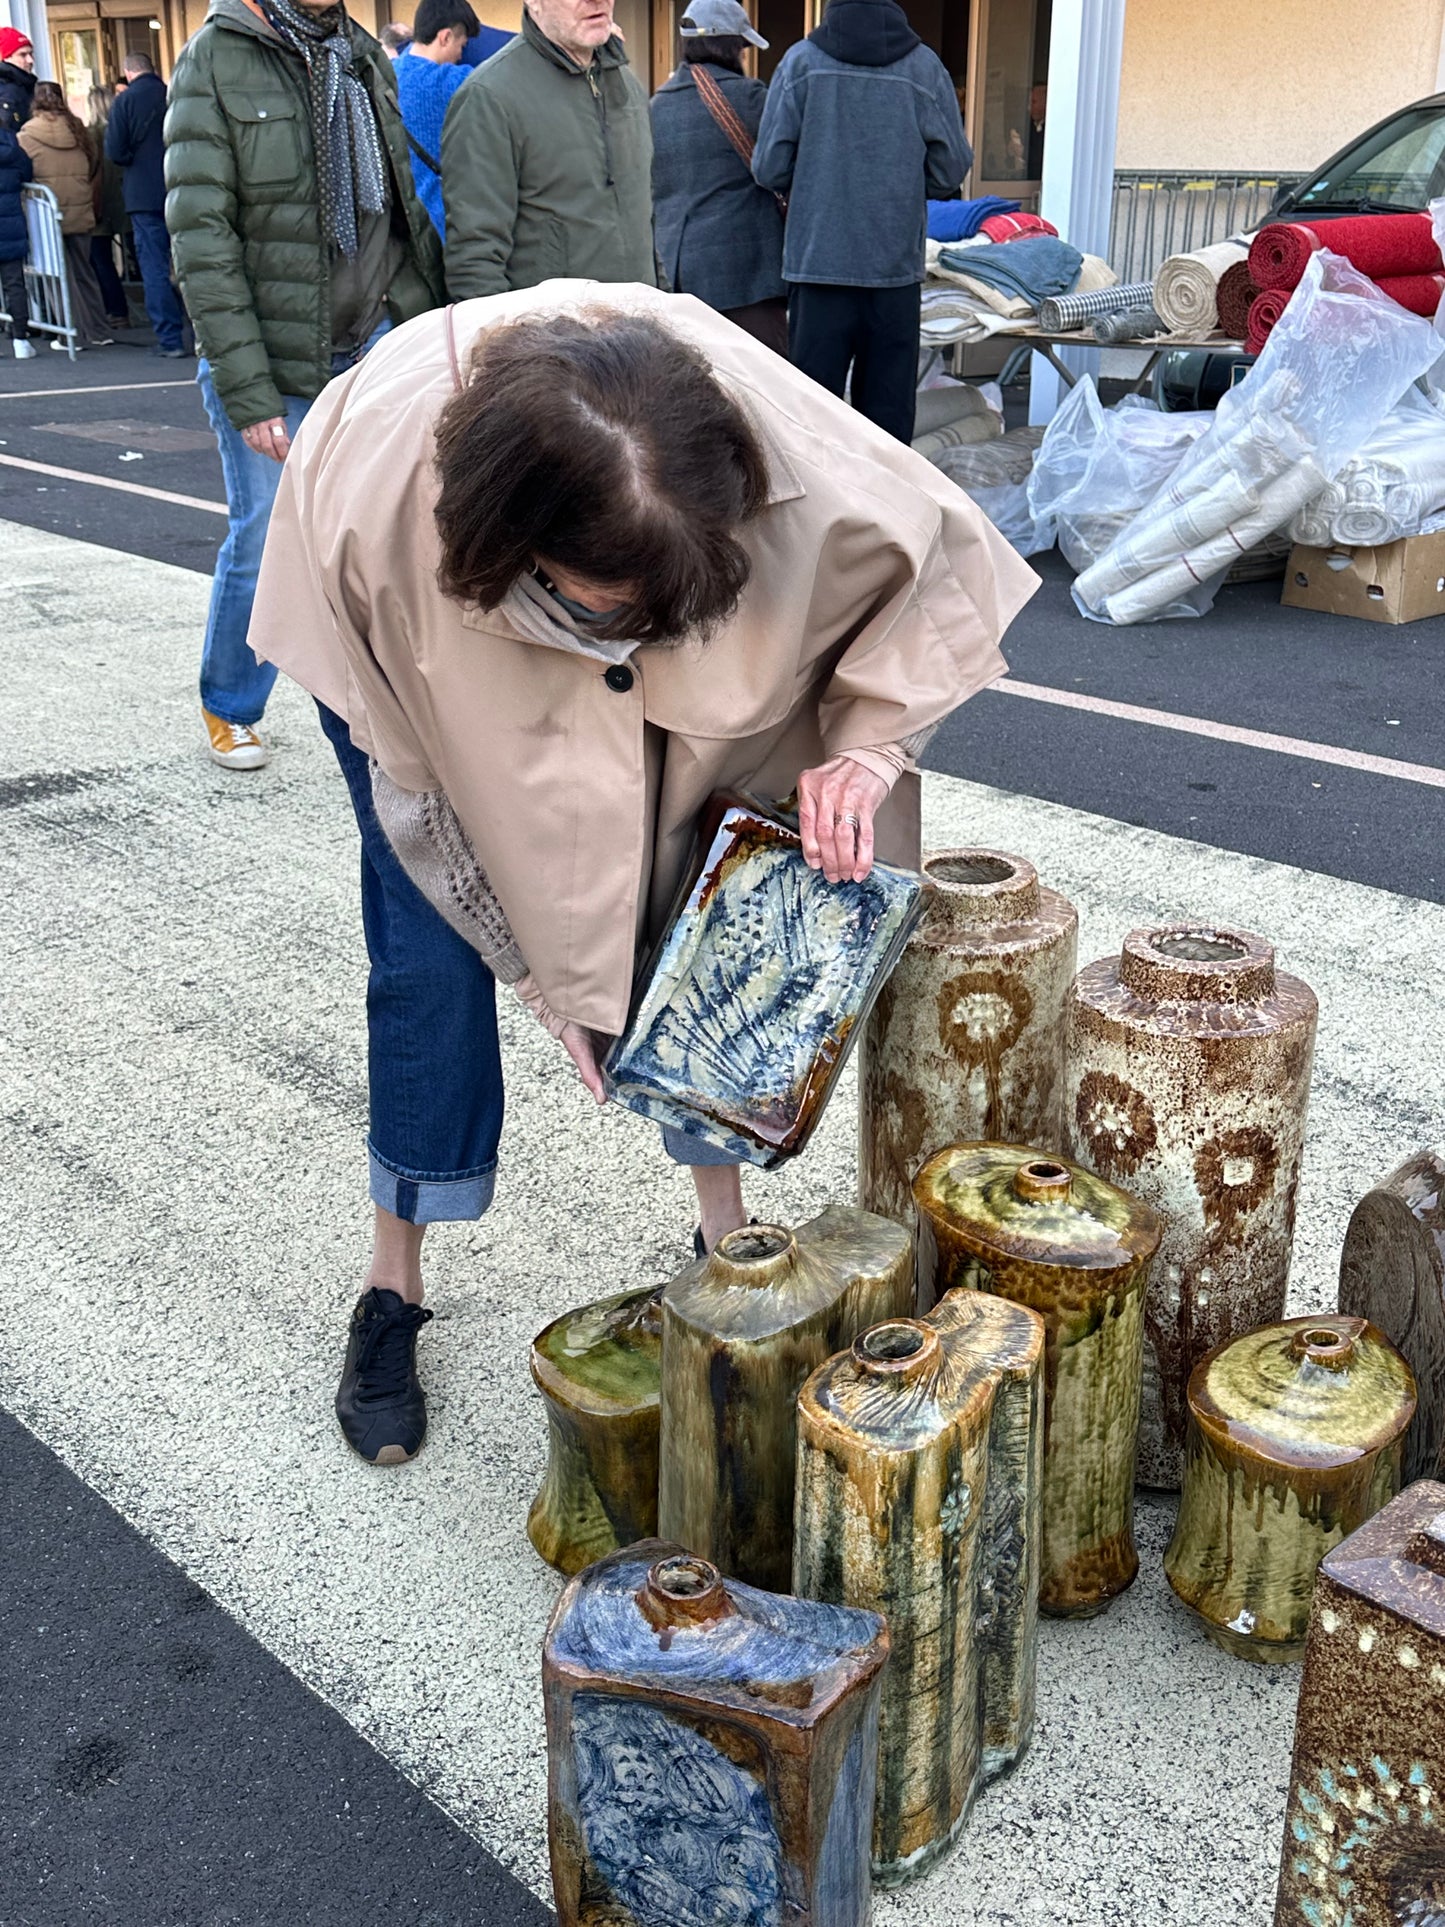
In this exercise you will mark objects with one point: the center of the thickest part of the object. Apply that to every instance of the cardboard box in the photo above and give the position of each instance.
(1400, 582)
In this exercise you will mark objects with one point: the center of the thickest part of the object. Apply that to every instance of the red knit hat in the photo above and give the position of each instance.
(12, 41)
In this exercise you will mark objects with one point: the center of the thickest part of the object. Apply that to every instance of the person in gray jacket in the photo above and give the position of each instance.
(861, 128)
(719, 235)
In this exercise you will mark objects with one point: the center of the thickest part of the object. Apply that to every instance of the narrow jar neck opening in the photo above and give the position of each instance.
(681, 1590)
(755, 1255)
(980, 887)
(1043, 1181)
(1198, 963)
(898, 1352)
(1324, 1345)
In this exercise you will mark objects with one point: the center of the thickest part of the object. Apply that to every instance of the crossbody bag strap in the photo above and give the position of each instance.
(727, 119)
(422, 155)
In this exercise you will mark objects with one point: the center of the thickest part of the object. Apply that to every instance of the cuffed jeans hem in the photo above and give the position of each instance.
(683, 1148)
(429, 1199)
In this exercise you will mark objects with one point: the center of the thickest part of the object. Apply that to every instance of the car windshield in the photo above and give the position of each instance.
(1400, 166)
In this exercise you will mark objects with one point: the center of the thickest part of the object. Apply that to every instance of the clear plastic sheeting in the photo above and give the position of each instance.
(1394, 487)
(1336, 364)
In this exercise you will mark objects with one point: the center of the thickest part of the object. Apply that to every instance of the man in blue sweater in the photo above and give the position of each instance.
(135, 142)
(860, 130)
(447, 42)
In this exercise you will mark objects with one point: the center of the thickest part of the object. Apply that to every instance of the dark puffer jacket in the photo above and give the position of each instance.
(242, 206)
(16, 169)
(17, 95)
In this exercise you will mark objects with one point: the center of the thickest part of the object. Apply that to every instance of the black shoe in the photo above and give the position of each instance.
(168, 354)
(380, 1403)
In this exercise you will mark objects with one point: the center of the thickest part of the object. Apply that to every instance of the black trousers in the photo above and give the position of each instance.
(872, 330)
(17, 305)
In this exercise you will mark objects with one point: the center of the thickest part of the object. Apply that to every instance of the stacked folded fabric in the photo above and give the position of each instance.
(1399, 252)
(1186, 288)
(961, 220)
(1394, 487)
(1016, 227)
(1029, 271)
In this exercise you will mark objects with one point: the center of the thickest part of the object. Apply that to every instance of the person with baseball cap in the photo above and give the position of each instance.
(17, 78)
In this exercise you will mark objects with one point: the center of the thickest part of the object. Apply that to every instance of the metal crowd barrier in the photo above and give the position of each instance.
(1158, 214)
(47, 287)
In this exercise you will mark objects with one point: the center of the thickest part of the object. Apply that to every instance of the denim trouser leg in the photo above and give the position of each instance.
(234, 685)
(435, 1064)
(153, 253)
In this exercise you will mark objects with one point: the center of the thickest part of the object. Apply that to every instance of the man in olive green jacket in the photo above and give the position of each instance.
(547, 159)
(297, 237)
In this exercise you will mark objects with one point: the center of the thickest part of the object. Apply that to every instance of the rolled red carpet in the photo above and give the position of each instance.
(1379, 245)
(1420, 293)
(1264, 312)
(1237, 294)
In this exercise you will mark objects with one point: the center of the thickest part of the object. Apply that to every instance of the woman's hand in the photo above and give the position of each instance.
(837, 802)
(581, 1046)
(268, 438)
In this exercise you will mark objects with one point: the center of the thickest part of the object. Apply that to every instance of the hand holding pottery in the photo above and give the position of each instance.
(837, 802)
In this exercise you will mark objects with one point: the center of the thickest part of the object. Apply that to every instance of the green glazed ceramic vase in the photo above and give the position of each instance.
(1050, 1235)
(741, 1330)
(919, 1468)
(599, 1370)
(1296, 1437)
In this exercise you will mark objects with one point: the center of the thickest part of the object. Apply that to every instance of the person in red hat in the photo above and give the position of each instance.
(17, 78)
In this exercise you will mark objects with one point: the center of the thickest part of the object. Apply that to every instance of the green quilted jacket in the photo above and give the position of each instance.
(243, 211)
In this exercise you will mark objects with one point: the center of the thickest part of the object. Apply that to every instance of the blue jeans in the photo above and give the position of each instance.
(163, 304)
(434, 1062)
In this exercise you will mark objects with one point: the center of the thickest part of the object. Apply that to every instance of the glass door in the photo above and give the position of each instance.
(1008, 95)
(80, 69)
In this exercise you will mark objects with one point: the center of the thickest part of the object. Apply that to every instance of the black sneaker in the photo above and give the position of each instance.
(380, 1403)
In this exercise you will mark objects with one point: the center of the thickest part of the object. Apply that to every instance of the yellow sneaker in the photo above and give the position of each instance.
(235, 745)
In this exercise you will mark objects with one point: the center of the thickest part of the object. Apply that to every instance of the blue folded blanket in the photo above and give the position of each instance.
(1032, 269)
(961, 220)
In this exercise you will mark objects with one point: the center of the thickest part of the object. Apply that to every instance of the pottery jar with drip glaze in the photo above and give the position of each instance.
(1050, 1235)
(1364, 1841)
(1296, 1435)
(966, 1040)
(599, 1369)
(741, 1330)
(1392, 1271)
(1188, 1075)
(711, 1749)
(919, 1463)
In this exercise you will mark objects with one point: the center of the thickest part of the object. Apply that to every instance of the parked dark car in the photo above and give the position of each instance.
(1397, 168)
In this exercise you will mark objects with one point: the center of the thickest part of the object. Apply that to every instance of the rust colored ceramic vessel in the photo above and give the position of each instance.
(966, 1040)
(711, 1749)
(1364, 1842)
(600, 1371)
(1050, 1235)
(919, 1462)
(1296, 1434)
(1392, 1271)
(1188, 1079)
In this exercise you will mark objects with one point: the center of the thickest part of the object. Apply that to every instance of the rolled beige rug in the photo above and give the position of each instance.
(1186, 288)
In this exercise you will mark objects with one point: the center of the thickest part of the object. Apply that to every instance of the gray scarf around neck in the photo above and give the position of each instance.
(349, 159)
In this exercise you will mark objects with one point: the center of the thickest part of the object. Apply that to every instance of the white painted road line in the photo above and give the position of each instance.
(1226, 733)
(111, 481)
(104, 388)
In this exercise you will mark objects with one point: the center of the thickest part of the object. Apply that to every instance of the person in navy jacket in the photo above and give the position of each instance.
(134, 140)
(16, 168)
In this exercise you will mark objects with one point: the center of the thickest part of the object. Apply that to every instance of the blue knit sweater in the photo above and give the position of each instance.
(424, 91)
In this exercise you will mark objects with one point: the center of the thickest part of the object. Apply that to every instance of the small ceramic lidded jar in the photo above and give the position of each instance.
(1188, 1075)
(741, 1330)
(967, 1037)
(1296, 1436)
(1050, 1235)
(711, 1750)
(1364, 1839)
(600, 1371)
(919, 1463)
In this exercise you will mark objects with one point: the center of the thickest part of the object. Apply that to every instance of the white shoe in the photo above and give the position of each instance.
(63, 347)
(234, 745)
(24, 350)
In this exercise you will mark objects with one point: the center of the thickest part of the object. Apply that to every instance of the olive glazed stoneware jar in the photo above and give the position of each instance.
(1364, 1841)
(600, 1371)
(919, 1463)
(1187, 1082)
(1392, 1271)
(741, 1330)
(1296, 1434)
(711, 1749)
(1050, 1235)
(966, 1039)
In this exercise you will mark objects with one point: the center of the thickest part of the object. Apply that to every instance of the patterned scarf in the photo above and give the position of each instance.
(348, 144)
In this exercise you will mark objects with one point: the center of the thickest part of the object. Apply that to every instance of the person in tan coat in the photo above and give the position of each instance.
(65, 161)
(557, 565)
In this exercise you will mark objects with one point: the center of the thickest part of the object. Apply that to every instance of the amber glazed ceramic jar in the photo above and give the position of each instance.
(1296, 1434)
(919, 1461)
(1050, 1235)
(966, 1040)
(1188, 1079)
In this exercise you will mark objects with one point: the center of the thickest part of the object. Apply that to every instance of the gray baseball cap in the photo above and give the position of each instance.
(719, 17)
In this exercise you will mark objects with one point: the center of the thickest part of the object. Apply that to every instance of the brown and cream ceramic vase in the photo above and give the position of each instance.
(741, 1330)
(1187, 1082)
(1050, 1235)
(1364, 1841)
(967, 1037)
(919, 1463)
(711, 1749)
(1296, 1434)
(600, 1371)
(1392, 1271)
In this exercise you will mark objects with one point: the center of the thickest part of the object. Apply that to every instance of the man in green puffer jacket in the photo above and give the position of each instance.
(297, 238)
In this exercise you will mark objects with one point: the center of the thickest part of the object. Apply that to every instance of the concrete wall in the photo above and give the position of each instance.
(1233, 84)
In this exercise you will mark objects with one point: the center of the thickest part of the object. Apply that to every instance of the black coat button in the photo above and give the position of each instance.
(619, 677)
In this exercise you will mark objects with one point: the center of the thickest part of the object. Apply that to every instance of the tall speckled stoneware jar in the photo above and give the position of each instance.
(1188, 1076)
(1392, 1271)
(711, 1750)
(599, 1370)
(1050, 1235)
(1364, 1840)
(1296, 1435)
(919, 1464)
(741, 1330)
(967, 1037)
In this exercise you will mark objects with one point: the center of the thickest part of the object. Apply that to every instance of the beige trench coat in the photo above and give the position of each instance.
(876, 603)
